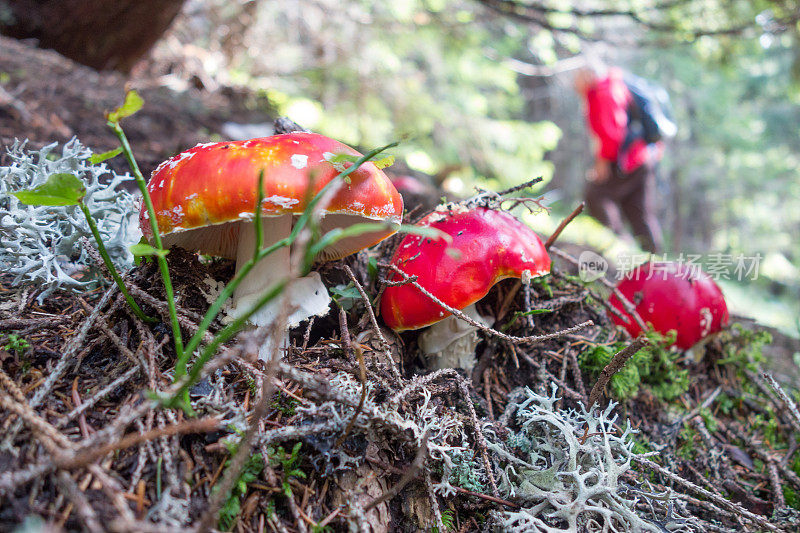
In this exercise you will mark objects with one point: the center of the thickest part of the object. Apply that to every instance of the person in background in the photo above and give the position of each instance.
(622, 180)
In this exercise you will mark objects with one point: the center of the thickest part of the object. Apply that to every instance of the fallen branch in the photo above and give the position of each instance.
(85, 456)
(718, 500)
(788, 403)
(614, 366)
(486, 497)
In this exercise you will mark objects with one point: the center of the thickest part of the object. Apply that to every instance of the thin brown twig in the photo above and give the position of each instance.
(487, 392)
(22, 323)
(298, 515)
(486, 497)
(115, 493)
(52, 439)
(718, 500)
(419, 382)
(362, 375)
(86, 404)
(239, 458)
(106, 329)
(479, 440)
(775, 482)
(565, 389)
(520, 187)
(73, 346)
(81, 504)
(552, 239)
(789, 404)
(702, 478)
(11, 387)
(716, 510)
(408, 476)
(150, 348)
(577, 374)
(187, 319)
(437, 514)
(374, 321)
(9, 481)
(87, 455)
(76, 399)
(614, 366)
(707, 401)
(475, 323)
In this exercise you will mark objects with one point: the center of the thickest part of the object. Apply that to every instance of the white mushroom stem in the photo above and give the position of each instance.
(306, 297)
(450, 343)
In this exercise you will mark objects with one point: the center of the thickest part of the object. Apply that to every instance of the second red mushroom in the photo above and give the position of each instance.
(487, 246)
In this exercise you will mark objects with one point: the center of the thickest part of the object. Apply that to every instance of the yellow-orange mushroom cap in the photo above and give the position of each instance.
(200, 195)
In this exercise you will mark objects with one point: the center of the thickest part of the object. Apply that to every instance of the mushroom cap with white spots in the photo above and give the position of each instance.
(201, 195)
(486, 246)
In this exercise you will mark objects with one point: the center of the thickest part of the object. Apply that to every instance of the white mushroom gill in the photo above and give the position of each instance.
(306, 297)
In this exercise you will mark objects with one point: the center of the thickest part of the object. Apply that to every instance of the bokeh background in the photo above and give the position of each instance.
(480, 94)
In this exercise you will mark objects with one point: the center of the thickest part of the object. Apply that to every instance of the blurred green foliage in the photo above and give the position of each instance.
(486, 97)
(367, 73)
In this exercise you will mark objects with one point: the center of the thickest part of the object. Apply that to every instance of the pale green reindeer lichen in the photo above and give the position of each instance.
(41, 245)
(565, 468)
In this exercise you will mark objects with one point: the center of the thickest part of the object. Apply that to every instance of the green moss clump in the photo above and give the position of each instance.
(743, 348)
(654, 366)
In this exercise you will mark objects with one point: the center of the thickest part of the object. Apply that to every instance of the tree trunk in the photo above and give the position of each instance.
(102, 34)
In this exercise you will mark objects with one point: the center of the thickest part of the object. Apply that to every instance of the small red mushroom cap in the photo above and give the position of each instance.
(487, 246)
(199, 192)
(673, 296)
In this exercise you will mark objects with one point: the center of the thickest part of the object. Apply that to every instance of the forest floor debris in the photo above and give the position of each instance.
(349, 428)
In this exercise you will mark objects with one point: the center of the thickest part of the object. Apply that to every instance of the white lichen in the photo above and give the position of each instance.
(565, 468)
(40, 245)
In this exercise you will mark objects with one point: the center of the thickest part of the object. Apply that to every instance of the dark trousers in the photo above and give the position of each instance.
(630, 196)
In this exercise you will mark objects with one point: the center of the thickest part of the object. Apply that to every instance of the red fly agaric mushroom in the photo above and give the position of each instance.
(673, 296)
(204, 200)
(487, 246)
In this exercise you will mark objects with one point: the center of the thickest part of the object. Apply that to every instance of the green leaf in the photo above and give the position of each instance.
(344, 291)
(142, 249)
(533, 312)
(383, 162)
(99, 158)
(345, 295)
(372, 268)
(133, 103)
(58, 190)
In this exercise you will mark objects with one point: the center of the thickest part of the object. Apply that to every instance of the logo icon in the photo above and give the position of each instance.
(591, 266)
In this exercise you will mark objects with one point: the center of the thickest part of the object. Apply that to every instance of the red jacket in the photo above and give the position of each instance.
(607, 112)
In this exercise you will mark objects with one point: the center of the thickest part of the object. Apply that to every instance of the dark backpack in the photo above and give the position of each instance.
(649, 112)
